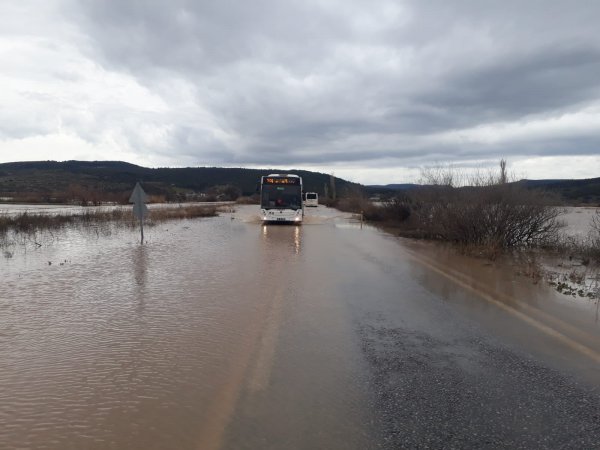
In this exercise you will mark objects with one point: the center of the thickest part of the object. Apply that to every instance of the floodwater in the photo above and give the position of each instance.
(578, 220)
(106, 343)
(226, 333)
(9, 209)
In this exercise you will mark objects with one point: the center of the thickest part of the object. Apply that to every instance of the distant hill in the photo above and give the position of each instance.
(388, 190)
(394, 187)
(584, 191)
(46, 178)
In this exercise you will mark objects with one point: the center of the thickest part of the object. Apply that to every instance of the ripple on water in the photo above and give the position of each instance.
(117, 336)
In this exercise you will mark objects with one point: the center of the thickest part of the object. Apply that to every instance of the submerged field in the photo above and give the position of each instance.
(20, 223)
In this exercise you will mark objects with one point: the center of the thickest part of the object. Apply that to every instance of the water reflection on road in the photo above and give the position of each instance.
(282, 235)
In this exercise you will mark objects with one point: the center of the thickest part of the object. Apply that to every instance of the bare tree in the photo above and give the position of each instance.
(441, 175)
(503, 179)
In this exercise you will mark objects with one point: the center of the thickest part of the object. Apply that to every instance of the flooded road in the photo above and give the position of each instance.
(224, 333)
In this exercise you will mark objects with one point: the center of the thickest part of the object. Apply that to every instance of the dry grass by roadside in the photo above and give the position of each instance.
(27, 223)
(251, 200)
(181, 212)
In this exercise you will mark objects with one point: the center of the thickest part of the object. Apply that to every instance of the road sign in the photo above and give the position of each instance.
(140, 210)
(139, 199)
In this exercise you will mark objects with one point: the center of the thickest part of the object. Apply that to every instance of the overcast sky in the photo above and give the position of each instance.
(370, 90)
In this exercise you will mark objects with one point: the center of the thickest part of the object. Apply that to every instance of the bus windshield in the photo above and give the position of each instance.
(288, 197)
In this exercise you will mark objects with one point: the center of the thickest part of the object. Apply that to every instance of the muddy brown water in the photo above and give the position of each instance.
(219, 332)
(108, 344)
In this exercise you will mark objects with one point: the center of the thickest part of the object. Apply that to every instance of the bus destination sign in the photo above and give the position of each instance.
(281, 180)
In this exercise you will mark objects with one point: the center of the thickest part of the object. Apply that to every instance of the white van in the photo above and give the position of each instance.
(312, 199)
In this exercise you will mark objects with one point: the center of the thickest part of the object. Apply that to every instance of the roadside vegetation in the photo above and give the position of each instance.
(248, 200)
(82, 195)
(487, 215)
(482, 210)
(595, 236)
(28, 224)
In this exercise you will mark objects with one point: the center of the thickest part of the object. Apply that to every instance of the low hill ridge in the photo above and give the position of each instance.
(48, 177)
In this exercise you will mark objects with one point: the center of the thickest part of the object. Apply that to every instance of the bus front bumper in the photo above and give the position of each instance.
(281, 215)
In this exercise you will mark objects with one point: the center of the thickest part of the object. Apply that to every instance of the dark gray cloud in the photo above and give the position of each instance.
(548, 81)
(333, 82)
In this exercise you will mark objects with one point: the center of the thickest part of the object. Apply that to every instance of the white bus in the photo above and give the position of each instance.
(281, 198)
(311, 199)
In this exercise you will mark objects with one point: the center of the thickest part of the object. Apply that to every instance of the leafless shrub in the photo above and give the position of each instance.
(450, 176)
(251, 200)
(596, 222)
(594, 237)
(392, 211)
(499, 215)
(354, 202)
(440, 175)
(480, 210)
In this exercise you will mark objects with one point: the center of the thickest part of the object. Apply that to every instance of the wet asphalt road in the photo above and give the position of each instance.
(442, 379)
(431, 370)
(434, 374)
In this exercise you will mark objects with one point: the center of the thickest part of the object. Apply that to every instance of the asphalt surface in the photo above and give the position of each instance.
(428, 363)
(466, 390)
(443, 378)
